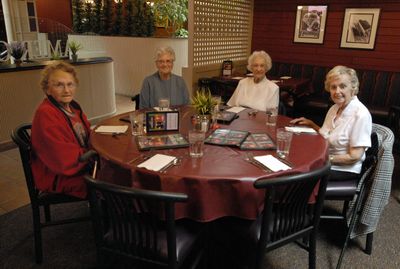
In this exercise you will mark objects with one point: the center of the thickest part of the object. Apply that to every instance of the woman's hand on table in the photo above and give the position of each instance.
(305, 122)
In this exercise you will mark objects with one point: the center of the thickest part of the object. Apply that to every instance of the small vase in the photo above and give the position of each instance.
(201, 122)
(74, 57)
(18, 62)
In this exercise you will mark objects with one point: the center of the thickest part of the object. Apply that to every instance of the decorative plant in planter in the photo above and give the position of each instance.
(171, 14)
(204, 103)
(74, 47)
(18, 50)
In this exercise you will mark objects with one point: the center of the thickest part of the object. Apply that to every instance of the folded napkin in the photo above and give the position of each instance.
(272, 163)
(300, 129)
(157, 162)
(285, 77)
(156, 108)
(236, 109)
(112, 129)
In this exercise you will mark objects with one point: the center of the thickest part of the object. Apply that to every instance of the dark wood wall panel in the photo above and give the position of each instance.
(273, 30)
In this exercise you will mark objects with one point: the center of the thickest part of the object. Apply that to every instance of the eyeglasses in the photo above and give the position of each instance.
(60, 85)
(164, 61)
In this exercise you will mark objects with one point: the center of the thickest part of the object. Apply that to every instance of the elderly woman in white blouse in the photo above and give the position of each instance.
(347, 125)
(256, 92)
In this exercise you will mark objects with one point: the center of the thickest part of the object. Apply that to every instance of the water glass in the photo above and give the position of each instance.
(272, 115)
(283, 141)
(136, 123)
(196, 143)
(163, 104)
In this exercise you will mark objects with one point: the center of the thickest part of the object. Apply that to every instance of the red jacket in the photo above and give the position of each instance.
(56, 150)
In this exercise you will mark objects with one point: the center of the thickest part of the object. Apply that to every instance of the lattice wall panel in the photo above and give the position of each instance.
(222, 31)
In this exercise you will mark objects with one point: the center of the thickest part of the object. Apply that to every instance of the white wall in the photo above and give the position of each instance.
(133, 57)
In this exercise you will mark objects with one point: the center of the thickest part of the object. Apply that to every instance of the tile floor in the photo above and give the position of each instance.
(13, 191)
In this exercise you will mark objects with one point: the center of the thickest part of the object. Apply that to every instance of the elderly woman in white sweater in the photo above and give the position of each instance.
(256, 92)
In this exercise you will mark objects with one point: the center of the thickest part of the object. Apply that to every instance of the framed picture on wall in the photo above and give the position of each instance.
(310, 24)
(359, 28)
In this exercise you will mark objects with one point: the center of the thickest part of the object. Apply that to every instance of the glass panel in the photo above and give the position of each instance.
(32, 24)
(31, 9)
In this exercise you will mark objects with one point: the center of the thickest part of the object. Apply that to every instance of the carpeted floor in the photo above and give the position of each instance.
(72, 246)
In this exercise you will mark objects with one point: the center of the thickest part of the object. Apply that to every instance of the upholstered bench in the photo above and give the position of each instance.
(379, 90)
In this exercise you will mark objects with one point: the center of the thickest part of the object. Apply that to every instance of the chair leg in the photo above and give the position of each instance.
(368, 244)
(47, 215)
(312, 251)
(37, 233)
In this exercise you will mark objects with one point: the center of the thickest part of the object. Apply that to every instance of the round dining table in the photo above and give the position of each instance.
(220, 183)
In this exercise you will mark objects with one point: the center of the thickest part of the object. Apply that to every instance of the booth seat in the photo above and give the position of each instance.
(379, 90)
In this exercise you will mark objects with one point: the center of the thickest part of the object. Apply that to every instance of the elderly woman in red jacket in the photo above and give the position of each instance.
(60, 132)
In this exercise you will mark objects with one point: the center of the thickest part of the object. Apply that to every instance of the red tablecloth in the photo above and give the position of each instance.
(218, 184)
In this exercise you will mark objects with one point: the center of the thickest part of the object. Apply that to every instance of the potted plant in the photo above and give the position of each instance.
(204, 103)
(171, 14)
(74, 47)
(18, 50)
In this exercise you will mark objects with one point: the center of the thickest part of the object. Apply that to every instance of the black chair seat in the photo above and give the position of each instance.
(46, 198)
(341, 190)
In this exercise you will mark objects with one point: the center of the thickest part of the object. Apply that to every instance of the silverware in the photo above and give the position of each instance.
(141, 156)
(134, 159)
(250, 159)
(174, 162)
(285, 161)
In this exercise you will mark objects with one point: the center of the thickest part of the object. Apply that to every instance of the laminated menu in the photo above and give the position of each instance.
(242, 139)
(147, 142)
(260, 141)
(226, 117)
(226, 137)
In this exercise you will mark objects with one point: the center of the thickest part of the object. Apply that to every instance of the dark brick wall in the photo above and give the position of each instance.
(273, 31)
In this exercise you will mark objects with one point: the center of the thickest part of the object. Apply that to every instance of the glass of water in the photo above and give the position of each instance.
(196, 143)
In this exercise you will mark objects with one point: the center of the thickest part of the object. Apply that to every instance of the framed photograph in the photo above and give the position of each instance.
(359, 28)
(310, 24)
(157, 121)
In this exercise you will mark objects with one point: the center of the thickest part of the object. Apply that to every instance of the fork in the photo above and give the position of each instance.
(250, 159)
(174, 162)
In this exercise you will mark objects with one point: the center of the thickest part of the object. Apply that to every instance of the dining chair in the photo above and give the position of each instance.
(137, 228)
(39, 199)
(347, 190)
(292, 208)
(136, 99)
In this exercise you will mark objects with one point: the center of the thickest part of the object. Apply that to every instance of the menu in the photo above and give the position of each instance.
(258, 141)
(242, 139)
(147, 142)
(226, 137)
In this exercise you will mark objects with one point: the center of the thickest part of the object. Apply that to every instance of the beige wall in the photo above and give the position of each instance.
(133, 57)
(20, 95)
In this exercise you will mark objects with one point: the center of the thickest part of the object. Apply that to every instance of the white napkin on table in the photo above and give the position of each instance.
(272, 163)
(157, 162)
(112, 129)
(236, 109)
(156, 108)
(300, 129)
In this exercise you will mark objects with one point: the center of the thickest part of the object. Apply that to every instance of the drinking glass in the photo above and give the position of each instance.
(283, 141)
(136, 120)
(272, 115)
(196, 143)
(163, 104)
